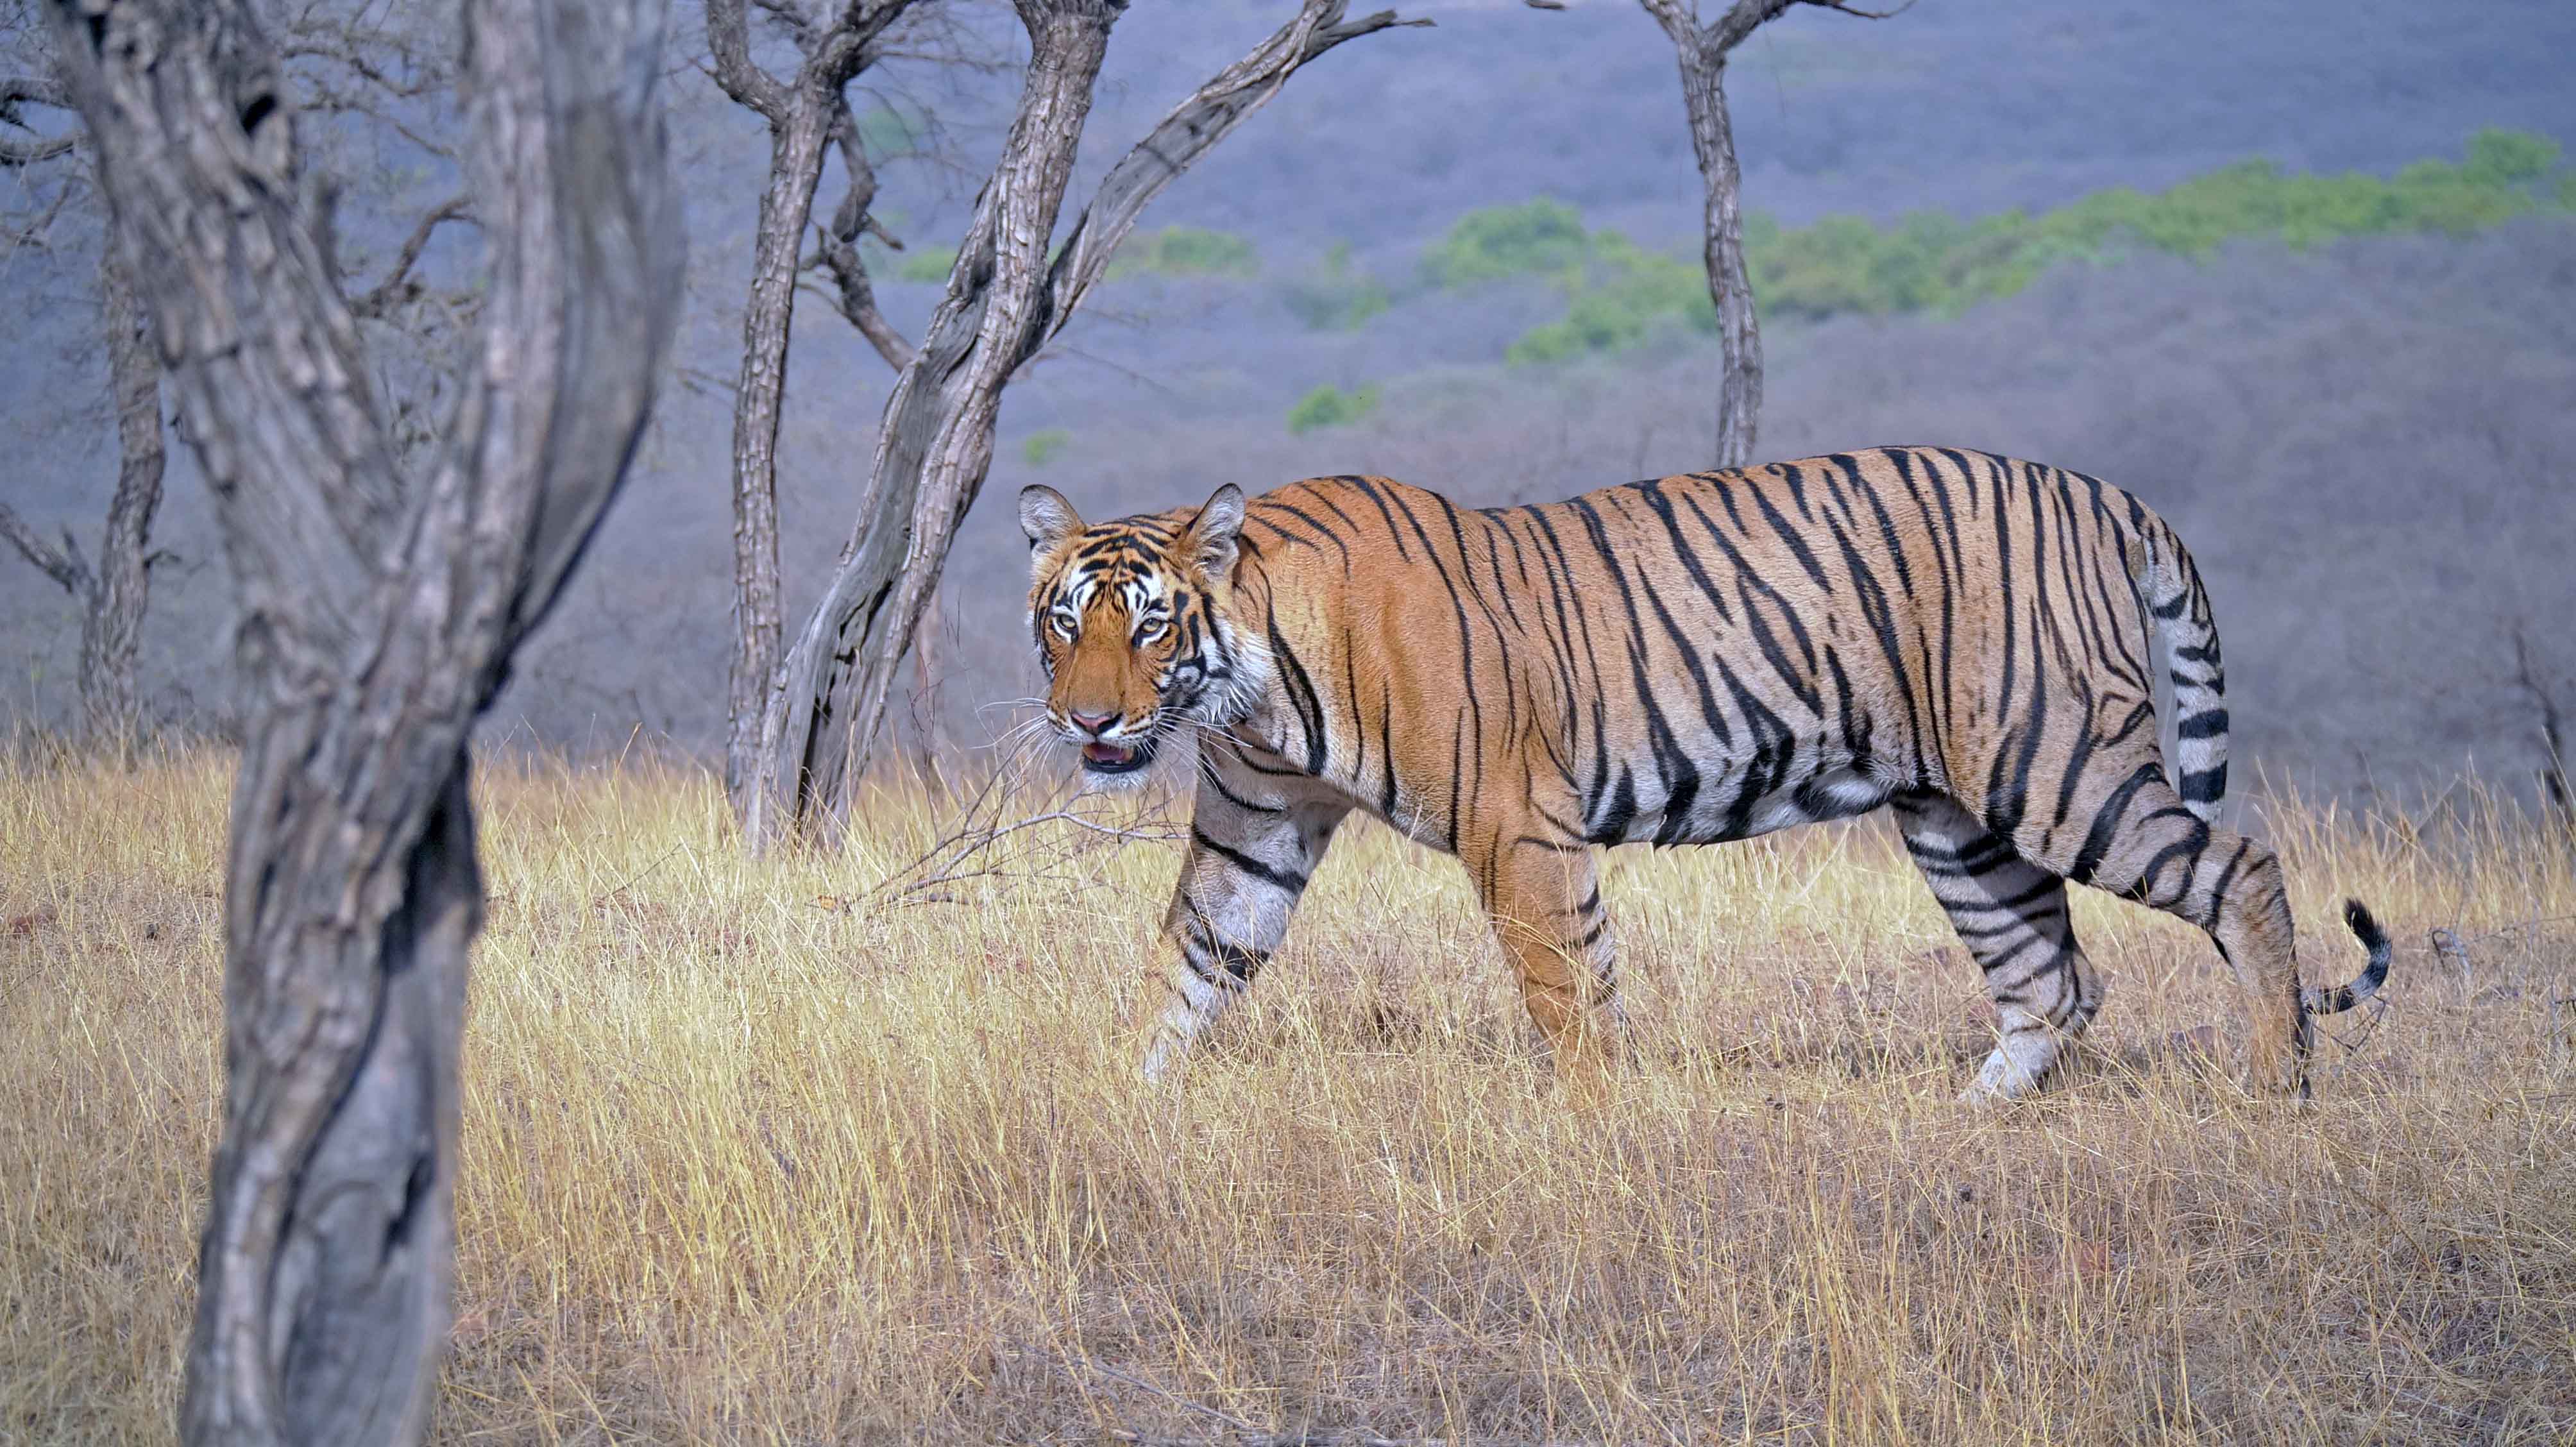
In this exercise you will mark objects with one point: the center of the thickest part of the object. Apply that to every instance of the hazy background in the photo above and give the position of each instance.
(2369, 444)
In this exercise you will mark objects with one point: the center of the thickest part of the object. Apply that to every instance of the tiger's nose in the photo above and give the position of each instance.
(1094, 724)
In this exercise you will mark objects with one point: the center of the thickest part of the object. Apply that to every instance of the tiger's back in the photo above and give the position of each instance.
(1971, 641)
(1708, 657)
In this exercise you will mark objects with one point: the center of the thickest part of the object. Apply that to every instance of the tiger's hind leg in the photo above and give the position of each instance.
(2011, 914)
(2132, 835)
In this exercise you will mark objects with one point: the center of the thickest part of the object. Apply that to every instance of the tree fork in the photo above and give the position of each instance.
(1702, 51)
(1006, 300)
(805, 114)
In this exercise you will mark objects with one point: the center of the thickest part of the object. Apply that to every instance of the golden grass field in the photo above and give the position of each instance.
(740, 1167)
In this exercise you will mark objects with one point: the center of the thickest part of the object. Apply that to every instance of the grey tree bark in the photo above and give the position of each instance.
(113, 592)
(806, 114)
(1702, 50)
(378, 616)
(112, 587)
(1006, 299)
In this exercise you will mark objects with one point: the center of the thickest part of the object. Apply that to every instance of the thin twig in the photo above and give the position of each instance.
(999, 811)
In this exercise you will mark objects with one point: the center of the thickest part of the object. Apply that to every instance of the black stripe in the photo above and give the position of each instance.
(1286, 879)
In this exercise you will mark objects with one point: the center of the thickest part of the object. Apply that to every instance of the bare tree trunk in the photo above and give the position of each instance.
(1739, 383)
(795, 164)
(1005, 301)
(1702, 51)
(378, 617)
(113, 593)
(803, 114)
(112, 625)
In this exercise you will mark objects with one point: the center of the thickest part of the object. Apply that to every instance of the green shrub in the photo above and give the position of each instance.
(1616, 294)
(1620, 296)
(2505, 157)
(1928, 261)
(1541, 237)
(1186, 251)
(1330, 406)
(1045, 446)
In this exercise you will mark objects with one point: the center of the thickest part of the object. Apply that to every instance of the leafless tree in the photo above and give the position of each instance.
(1007, 298)
(808, 113)
(112, 588)
(1703, 49)
(379, 614)
(343, 61)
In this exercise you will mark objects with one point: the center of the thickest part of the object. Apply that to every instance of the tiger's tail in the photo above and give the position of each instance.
(2315, 1001)
(2184, 639)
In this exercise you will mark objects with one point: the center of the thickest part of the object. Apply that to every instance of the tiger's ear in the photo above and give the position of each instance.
(1046, 517)
(1213, 538)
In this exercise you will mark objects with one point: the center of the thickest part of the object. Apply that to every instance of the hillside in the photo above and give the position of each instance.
(2361, 436)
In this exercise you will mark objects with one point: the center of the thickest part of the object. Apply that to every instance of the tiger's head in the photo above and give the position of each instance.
(1130, 620)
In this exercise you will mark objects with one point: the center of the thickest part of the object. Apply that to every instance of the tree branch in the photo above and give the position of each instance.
(1192, 128)
(397, 288)
(839, 252)
(729, 44)
(326, 42)
(17, 90)
(63, 564)
(42, 90)
(1741, 20)
(1680, 19)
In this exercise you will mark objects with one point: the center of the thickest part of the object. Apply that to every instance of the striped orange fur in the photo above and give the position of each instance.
(1970, 641)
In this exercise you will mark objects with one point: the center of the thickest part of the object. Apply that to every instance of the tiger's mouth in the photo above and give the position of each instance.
(1101, 756)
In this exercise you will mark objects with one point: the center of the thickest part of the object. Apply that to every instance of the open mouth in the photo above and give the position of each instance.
(1102, 757)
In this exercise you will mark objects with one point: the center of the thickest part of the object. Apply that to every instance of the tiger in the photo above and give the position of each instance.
(1969, 641)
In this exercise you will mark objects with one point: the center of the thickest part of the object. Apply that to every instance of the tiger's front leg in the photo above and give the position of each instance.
(1248, 863)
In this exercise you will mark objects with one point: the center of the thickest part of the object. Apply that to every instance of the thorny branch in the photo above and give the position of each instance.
(63, 564)
(838, 250)
(1051, 827)
(398, 287)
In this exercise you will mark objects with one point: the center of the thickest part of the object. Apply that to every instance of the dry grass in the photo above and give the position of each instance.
(741, 1168)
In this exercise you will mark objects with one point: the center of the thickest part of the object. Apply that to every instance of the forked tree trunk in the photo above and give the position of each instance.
(1702, 52)
(1005, 300)
(378, 616)
(805, 114)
